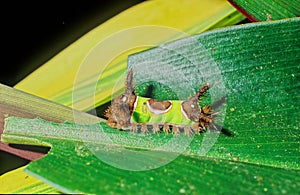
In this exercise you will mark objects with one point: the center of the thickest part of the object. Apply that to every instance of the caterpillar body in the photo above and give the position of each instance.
(135, 113)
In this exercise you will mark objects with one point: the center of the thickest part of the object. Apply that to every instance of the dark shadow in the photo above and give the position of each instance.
(100, 110)
(149, 92)
(227, 132)
(10, 162)
(215, 127)
(218, 103)
(39, 149)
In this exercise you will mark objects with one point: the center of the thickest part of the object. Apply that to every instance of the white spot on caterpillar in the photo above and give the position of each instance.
(124, 99)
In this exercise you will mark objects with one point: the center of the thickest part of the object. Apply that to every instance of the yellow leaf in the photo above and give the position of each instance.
(55, 79)
(19, 182)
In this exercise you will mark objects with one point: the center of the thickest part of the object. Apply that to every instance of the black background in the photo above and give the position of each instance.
(32, 32)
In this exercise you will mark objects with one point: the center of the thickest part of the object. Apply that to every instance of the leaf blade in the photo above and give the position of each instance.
(17, 103)
(241, 148)
(267, 10)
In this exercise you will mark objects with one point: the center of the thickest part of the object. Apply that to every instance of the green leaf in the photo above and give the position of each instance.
(187, 173)
(263, 10)
(256, 66)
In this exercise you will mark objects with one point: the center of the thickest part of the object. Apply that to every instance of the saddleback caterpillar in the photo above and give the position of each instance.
(135, 113)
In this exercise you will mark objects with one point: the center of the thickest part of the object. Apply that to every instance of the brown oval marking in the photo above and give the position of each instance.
(159, 107)
(190, 109)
